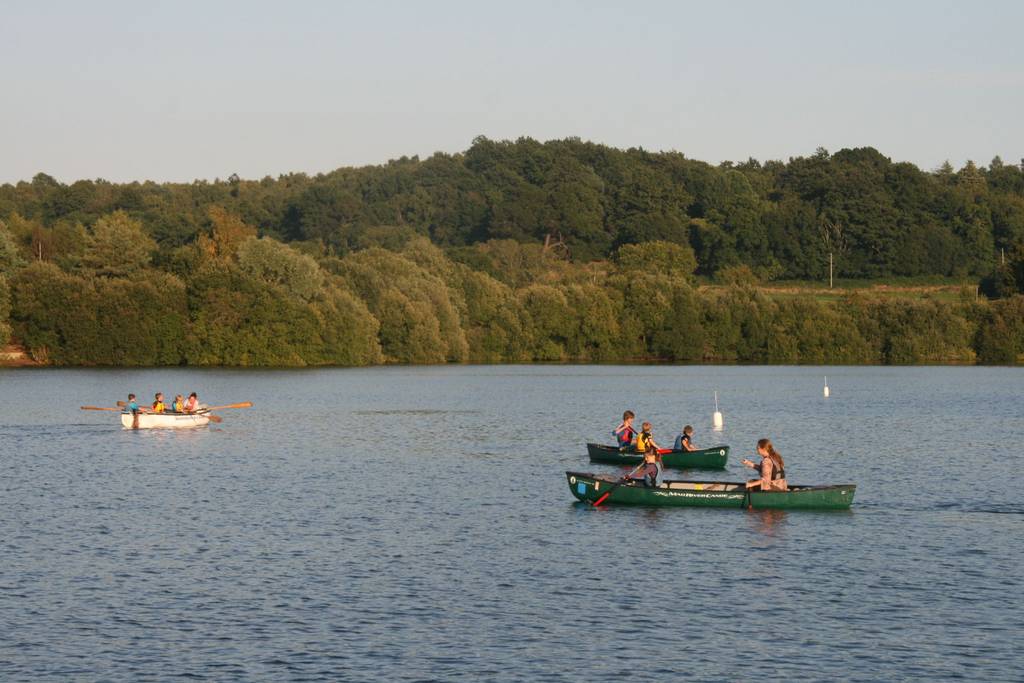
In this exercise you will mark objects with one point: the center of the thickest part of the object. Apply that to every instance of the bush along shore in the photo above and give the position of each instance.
(519, 252)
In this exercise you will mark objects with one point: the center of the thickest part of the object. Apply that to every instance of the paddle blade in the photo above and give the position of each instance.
(215, 418)
(121, 404)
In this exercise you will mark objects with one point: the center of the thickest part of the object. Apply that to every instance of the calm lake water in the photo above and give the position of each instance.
(414, 524)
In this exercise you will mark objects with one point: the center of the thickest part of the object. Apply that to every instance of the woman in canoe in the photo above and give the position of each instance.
(192, 403)
(771, 468)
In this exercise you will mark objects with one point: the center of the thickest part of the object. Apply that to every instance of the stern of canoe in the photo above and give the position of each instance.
(704, 459)
(838, 497)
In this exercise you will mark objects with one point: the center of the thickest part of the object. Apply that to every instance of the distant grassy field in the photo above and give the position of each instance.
(938, 289)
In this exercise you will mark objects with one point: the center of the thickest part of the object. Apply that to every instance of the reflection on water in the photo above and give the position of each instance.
(349, 527)
(767, 523)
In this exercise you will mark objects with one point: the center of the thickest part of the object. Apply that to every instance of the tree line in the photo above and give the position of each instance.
(233, 298)
(514, 252)
(876, 217)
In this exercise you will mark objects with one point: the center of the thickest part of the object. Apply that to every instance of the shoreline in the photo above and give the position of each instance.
(27, 362)
(15, 356)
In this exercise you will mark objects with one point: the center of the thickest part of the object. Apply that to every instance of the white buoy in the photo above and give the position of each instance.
(826, 392)
(716, 418)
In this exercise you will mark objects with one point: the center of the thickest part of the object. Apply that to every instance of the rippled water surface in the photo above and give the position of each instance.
(414, 524)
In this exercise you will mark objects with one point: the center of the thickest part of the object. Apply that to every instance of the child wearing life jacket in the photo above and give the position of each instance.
(158, 403)
(625, 433)
(684, 442)
(179, 404)
(646, 445)
(133, 407)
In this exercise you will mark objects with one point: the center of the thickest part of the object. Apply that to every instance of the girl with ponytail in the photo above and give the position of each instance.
(771, 468)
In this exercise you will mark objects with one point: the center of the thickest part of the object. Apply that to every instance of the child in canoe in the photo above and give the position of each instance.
(646, 445)
(625, 434)
(133, 407)
(684, 442)
(771, 468)
(158, 403)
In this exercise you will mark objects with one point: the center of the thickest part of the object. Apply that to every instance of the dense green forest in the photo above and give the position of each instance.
(516, 251)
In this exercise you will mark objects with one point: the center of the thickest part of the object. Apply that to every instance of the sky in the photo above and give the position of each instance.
(177, 91)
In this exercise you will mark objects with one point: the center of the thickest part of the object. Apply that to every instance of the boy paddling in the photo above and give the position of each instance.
(625, 434)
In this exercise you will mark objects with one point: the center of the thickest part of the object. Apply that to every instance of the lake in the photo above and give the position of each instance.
(414, 524)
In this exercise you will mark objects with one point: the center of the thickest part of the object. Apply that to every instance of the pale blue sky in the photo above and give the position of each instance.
(184, 90)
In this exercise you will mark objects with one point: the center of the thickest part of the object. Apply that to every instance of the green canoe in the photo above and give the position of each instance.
(601, 490)
(704, 459)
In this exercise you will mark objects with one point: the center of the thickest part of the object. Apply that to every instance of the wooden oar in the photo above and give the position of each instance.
(99, 408)
(215, 418)
(243, 404)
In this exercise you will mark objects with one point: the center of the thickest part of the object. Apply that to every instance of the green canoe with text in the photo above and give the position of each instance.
(603, 490)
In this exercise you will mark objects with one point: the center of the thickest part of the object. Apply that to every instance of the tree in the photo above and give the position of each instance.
(658, 258)
(117, 247)
(10, 256)
(410, 303)
(5, 311)
(347, 330)
(277, 264)
(550, 321)
(227, 233)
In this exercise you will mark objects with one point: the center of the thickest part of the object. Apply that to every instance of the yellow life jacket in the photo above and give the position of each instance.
(158, 406)
(643, 442)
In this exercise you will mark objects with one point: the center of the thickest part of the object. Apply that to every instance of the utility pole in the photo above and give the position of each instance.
(830, 270)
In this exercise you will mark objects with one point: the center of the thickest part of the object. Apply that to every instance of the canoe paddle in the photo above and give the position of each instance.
(617, 485)
(243, 404)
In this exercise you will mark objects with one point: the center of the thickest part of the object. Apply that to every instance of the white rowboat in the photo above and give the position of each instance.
(167, 420)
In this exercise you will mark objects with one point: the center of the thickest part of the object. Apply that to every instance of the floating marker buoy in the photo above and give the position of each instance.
(716, 418)
(826, 392)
